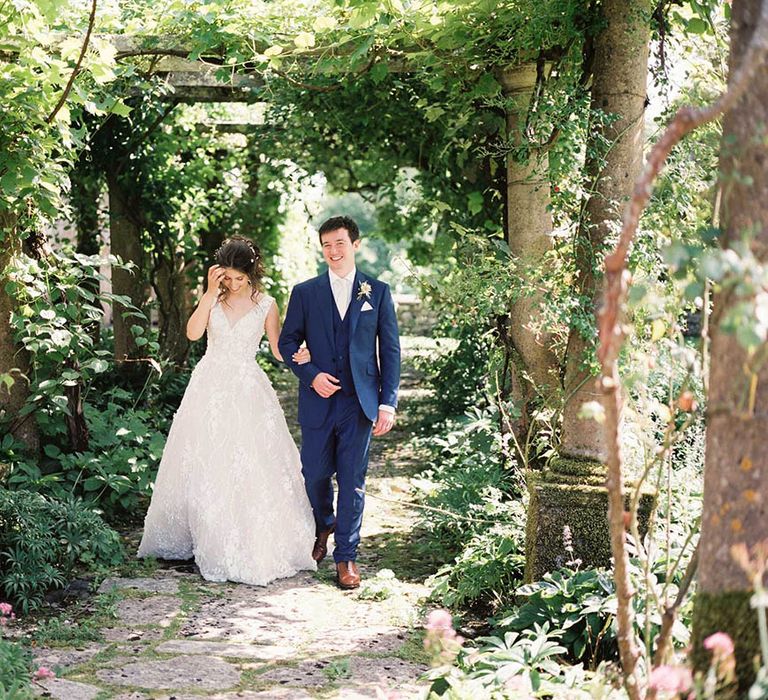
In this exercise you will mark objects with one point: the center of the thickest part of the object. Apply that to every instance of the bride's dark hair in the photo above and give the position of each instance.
(241, 254)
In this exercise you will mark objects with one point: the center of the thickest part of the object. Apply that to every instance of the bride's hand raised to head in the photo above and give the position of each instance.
(302, 356)
(215, 276)
(198, 321)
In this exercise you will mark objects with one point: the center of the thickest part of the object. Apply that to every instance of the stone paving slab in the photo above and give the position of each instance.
(378, 639)
(131, 634)
(145, 585)
(182, 672)
(65, 658)
(61, 689)
(368, 674)
(308, 674)
(157, 610)
(227, 649)
(365, 678)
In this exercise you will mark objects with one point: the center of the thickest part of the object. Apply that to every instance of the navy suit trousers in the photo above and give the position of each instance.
(339, 447)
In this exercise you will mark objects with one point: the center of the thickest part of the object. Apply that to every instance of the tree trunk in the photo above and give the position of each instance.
(14, 361)
(529, 229)
(735, 477)
(571, 492)
(125, 242)
(171, 288)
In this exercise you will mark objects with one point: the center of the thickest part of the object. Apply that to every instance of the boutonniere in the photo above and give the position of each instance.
(364, 290)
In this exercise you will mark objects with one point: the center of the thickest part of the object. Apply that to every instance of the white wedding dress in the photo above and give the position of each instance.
(229, 490)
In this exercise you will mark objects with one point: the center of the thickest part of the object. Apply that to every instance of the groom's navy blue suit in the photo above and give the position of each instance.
(336, 431)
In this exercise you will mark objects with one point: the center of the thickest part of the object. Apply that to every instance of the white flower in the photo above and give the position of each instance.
(364, 290)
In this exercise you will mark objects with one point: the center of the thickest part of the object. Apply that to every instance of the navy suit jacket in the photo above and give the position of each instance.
(310, 318)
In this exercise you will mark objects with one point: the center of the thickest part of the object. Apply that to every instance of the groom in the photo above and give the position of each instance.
(347, 391)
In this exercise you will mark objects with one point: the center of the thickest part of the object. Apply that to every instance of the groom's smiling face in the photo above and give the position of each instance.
(339, 251)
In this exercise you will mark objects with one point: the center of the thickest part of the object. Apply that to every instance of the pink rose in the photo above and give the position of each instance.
(42, 673)
(6, 609)
(439, 620)
(719, 643)
(675, 679)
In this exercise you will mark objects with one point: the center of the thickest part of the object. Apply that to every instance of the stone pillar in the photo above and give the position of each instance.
(529, 231)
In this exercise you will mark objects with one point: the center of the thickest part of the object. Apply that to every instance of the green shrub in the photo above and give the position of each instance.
(15, 663)
(476, 520)
(458, 377)
(490, 565)
(115, 473)
(583, 605)
(43, 540)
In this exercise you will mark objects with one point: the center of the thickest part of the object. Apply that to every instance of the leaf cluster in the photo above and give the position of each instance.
(43, 540)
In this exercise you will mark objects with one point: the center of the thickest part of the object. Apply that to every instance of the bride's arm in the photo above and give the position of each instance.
(272, 327)
(198, 321)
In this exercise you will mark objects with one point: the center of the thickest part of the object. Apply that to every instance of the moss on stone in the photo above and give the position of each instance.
(574, 466)
(731, 613)
(574, 480)
(559, 500)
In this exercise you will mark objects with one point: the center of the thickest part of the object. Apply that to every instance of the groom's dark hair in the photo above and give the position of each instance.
(337, 222)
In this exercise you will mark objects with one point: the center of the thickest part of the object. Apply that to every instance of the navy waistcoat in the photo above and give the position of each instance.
(341, 337)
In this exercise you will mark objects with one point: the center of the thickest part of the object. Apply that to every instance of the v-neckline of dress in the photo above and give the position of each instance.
(233, 325)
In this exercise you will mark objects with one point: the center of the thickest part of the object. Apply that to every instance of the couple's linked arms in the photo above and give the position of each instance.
(291, 339)
(272, 327)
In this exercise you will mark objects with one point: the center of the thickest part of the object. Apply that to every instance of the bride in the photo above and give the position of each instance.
(229, 490)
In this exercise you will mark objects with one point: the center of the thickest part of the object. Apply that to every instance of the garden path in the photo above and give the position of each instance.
(166, 633)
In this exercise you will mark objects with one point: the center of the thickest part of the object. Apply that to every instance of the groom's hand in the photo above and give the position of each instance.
(325, 384)
(384, 423)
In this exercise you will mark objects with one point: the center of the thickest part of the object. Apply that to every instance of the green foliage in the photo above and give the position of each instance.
(37, 141)
(380, 587)
(477, 525)
(55, 321)
(583, 605)
(514, 665)
(491, 561)
(15, 666)
(59, 631)
(458, 376)
(43, 541)
(116, 471)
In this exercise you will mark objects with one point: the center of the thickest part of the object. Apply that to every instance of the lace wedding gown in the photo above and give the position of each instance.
(229, 490)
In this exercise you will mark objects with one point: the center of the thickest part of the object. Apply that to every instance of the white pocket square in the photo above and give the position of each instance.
(366, 307)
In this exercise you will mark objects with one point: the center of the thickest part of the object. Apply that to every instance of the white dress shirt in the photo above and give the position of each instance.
(342, 290)
(341, 287)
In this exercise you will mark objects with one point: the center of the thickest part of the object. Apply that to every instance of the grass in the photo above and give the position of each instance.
(80, 624)
(336, 669)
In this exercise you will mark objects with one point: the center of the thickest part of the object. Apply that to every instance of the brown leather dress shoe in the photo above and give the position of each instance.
(347, 574)
(320, 548)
